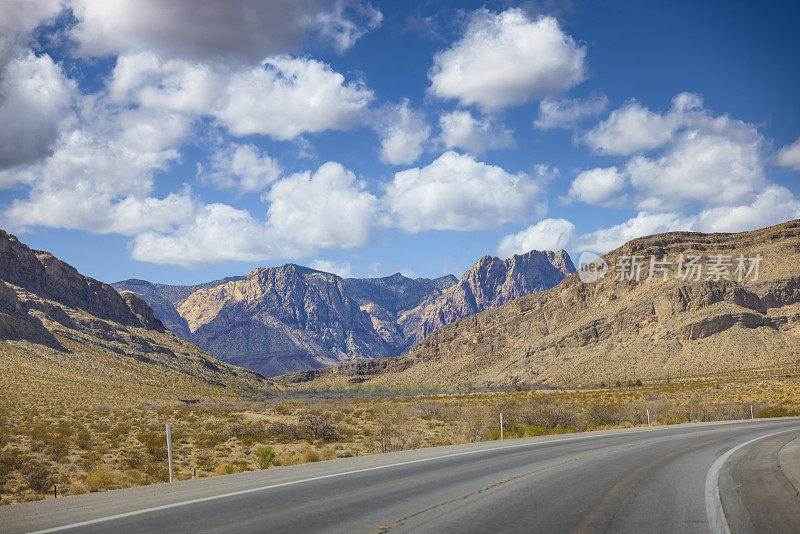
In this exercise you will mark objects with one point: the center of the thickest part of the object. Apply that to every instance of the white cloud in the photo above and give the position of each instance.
(99, 177)
(600, 187)
(326, 209)
(775, 204)
(144, 79)
(403, 134)
(284, 97)
(631, 128)
(208, 29)
(35, 97)
(290, 96)
(461, 130)
(789, 156)
(607, 239)
(569, 112)
(707, 168)
(342, 269)
(457, 192)
(308, 212)
(506, 59)
(217, 233)
(242, 167)
(547, 234)
(18, 18)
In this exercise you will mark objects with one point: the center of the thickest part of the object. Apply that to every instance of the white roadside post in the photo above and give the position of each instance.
(751, 412)
(501, 425)
(648, 416)
(169, 450)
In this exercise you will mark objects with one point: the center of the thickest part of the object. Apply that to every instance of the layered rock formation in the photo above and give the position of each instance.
(288, 318)
(619, 328)
(66, 329)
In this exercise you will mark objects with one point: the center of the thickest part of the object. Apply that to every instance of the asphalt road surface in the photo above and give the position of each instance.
(707, 477)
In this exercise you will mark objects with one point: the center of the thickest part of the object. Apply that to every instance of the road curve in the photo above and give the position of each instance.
(659, 479)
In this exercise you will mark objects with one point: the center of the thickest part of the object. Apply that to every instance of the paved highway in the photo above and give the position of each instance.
(707, 477)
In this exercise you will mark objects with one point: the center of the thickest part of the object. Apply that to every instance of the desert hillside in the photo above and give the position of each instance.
(738, 313)
(67, 338)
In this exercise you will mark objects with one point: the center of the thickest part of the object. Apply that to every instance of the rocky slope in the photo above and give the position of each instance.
(282, 319)
(163, 297)
(618, 328)
(60, 330)
(288, 318)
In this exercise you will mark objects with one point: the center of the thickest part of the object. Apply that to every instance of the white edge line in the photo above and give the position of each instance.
(717, 523)
(332, 475)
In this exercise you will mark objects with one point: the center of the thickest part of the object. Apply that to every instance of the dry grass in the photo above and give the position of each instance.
(96, 448)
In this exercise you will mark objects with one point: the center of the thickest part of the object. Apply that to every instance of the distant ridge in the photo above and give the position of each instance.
(289, 318)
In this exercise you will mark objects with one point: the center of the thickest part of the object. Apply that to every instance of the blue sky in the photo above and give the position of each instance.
(162, 141)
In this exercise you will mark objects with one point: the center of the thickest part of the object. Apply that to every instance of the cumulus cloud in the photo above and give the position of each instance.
(18, 19)
(457, 192)
(789, 156)
(208, 29)
(217, 233)
(606, 239)
(284, 97)
(35, 97)
(506, 59)
(600, 187)
(701, 167)
(242, 167)
(403, 134)
(99, 176)
(774, 205)
(568, 113)
(290, 96)
(547, 234)
(342, 269)
(701, 158)
(325, 209)
(460, 129)
(308, 212)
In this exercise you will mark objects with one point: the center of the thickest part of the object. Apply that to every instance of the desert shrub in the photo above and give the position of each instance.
(308, 456)
(673, 418)
(602, 415)
(83, 439)
(102, 479)
(211, 437)
(58, 446)
(316, 425)
(38, 476)
(231, 468)
(265, 456)
(774, 411)
(155, 443)
(204, 461)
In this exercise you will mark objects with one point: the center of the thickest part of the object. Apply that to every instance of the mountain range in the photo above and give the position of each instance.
(64, 336)
(283, 319)
(739, 312)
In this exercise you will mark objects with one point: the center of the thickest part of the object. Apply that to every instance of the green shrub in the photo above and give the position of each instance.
(265, 456)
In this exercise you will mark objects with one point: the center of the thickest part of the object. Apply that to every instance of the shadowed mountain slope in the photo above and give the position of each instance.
(66, 335)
